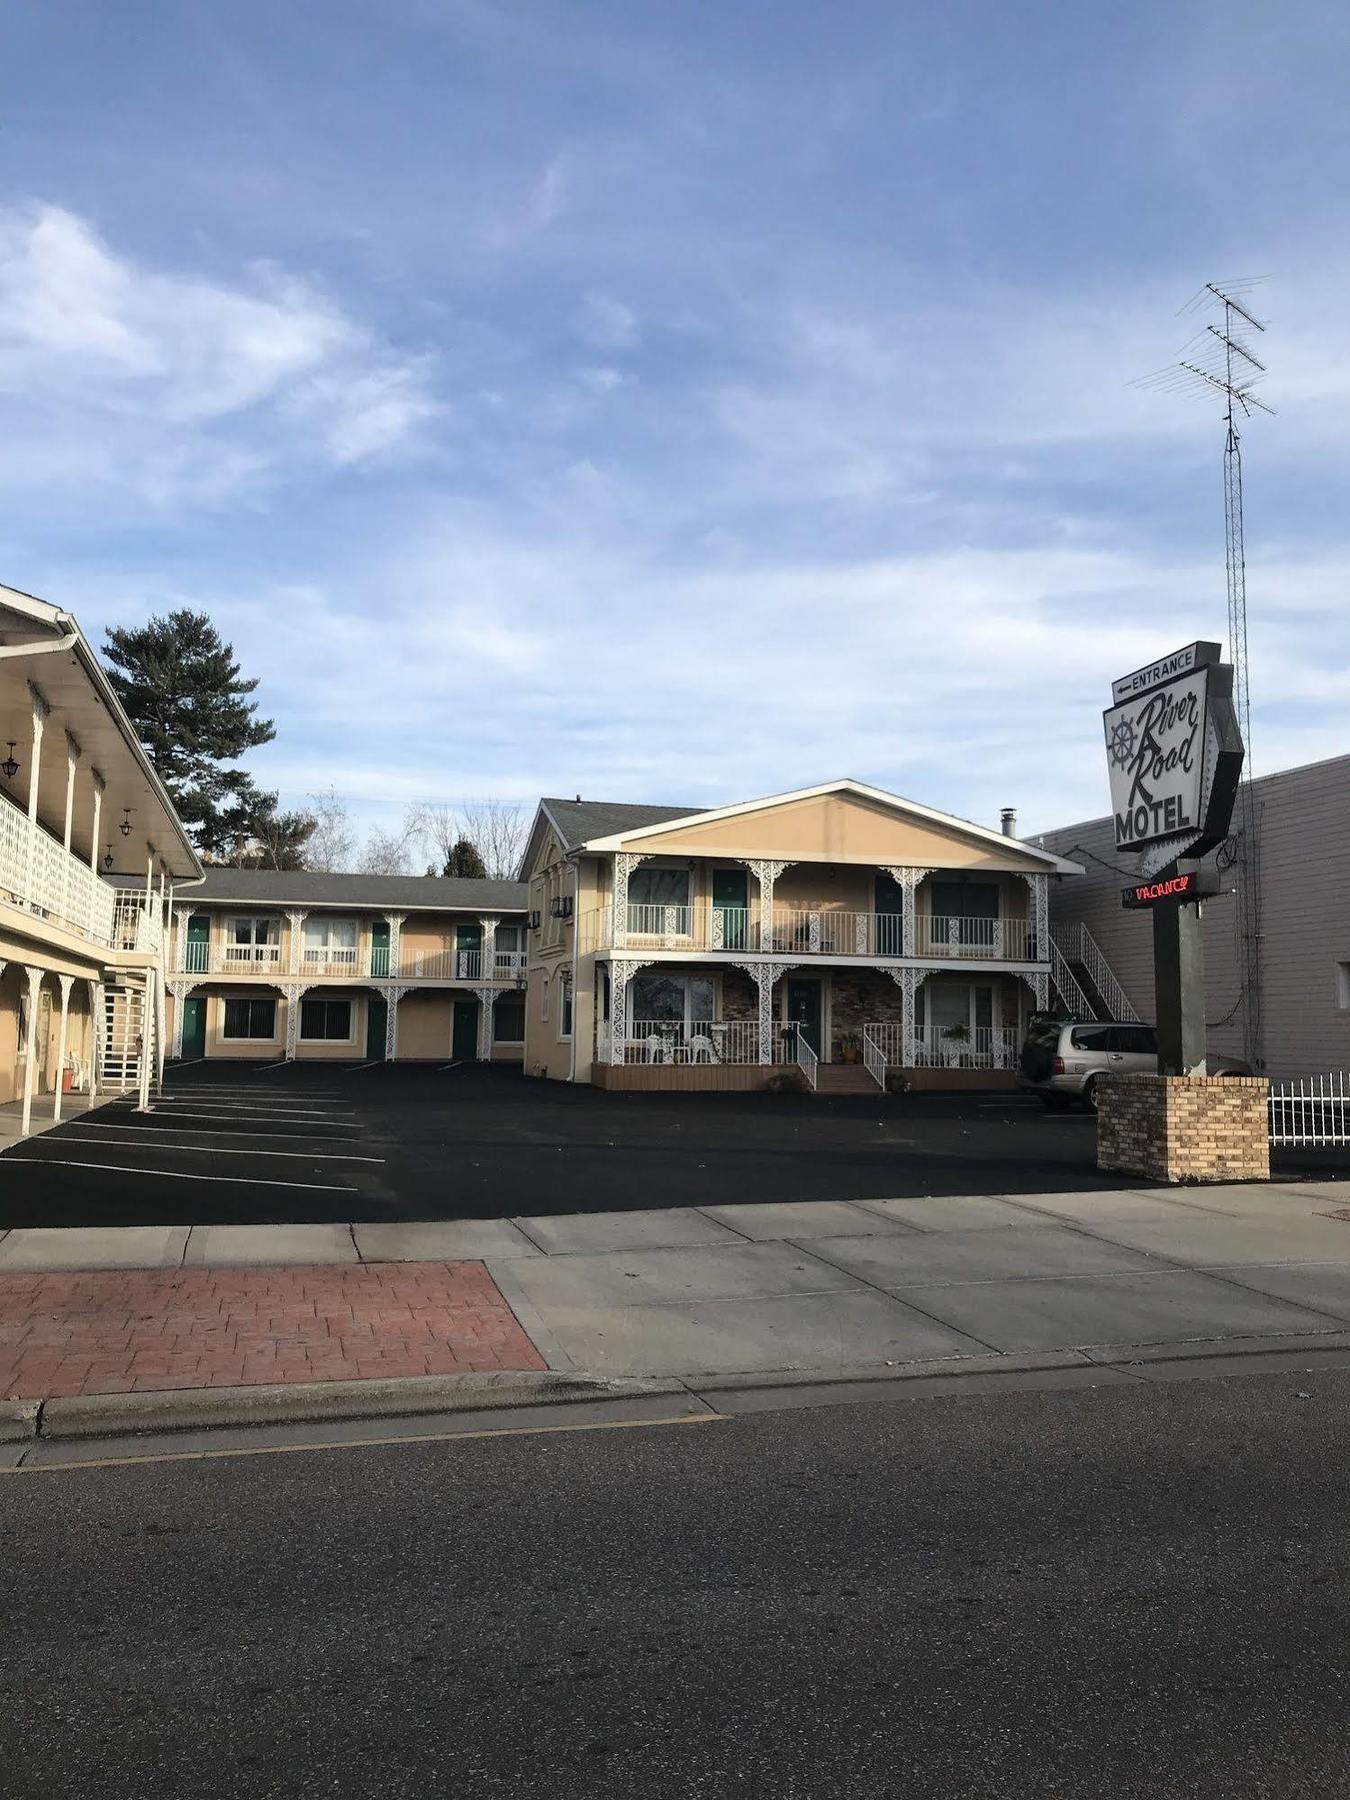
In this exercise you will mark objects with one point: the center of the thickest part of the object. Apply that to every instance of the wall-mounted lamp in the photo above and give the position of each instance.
(108, 859)
(125, 826)
(9, 768)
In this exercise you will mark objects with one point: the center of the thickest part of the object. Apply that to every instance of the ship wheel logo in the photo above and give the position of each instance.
(1120, 744)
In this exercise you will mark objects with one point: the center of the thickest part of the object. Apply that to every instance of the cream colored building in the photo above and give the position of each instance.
(348, 967)
(839, 929)
(82, 817)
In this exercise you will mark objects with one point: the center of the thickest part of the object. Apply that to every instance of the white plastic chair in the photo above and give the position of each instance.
(701, 1048)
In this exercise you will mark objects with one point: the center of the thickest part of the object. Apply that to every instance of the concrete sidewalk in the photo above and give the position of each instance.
(832, 1288)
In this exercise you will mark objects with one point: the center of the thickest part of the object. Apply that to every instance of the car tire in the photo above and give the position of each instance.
(1090, 1094)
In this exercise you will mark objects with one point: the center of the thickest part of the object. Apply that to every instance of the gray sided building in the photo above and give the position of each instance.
(1305, 908)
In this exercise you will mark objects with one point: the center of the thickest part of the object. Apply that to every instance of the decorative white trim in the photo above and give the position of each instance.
(909, 982)
(621, 971)
(766, 873)
(765, 976)
(392, 996)
(487, 1001)
(1039, 983)
(395, 923)
(294, 992)
(297, 924)
(624, 864)
(1040, 908)
(907, 879)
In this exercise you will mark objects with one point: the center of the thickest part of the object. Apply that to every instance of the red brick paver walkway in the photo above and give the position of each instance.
(143, 1330)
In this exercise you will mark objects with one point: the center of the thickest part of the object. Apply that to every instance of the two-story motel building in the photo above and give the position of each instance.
(832, 927)
(89, 847)
(348, 967)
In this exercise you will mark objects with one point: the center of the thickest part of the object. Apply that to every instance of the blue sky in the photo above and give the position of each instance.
(680, 401)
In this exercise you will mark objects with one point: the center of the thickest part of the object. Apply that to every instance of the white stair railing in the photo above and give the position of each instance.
(807, 1060)
(1066, 985)
(1103, 978)
(874, 1058)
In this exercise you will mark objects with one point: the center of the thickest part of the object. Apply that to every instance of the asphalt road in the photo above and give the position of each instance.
(1131, 1591)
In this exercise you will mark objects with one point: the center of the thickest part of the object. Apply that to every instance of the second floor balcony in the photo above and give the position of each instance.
(40, 876)
(806, 931)
(362, 961)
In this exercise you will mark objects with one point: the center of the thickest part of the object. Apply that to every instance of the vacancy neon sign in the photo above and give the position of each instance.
(1186, 886)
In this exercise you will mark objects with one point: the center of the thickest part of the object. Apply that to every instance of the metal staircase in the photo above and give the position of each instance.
(1083, 979)
(130, 1036)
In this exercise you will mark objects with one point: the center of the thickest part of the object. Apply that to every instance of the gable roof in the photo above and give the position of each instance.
(626, 830)
(400, 893)
(578, 821)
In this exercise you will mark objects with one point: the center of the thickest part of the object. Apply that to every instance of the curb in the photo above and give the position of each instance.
(295, 1403)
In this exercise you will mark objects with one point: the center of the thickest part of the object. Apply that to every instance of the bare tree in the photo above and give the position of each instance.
(390, 852)
(438, 830)
(331, 846)
(498, 828)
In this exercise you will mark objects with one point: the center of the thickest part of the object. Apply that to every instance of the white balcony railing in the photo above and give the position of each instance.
(702, 1041)
(38, 874)
(248, 959)
(957, 1047)
(802, 931)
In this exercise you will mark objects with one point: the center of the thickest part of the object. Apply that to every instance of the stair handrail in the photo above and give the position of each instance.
(874, 1058)
(1103, 978)
(1066, 984)
(807, 1060)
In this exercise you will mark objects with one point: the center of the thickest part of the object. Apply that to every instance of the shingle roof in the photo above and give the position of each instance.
(581, 820)
(402, 893)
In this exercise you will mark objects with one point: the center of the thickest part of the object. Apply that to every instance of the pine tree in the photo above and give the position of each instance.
(183, 691)
(465, 860)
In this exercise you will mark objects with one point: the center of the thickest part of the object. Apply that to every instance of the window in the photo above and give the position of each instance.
(252, 940)
(1091, 1037)
(253, 1018)
(686, 1000)
(330, 941)
(658, 887)
(508, 1020)
(564, 1005)
(1343, 986)
(326, 1021)
(1134, 1040)
(544, 1002)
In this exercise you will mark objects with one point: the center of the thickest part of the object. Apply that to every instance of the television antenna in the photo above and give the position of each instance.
(1220, 360)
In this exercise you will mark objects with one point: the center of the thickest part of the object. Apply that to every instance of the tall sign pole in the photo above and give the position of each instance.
(1174, 755)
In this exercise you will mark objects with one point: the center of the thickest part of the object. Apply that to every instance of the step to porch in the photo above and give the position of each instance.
(844, 1078)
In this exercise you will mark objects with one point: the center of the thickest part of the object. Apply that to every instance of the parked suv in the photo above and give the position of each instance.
(1062, 1058)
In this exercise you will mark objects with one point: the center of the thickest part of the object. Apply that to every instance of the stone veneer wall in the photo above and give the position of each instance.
(1178, 1128)
(857, 998)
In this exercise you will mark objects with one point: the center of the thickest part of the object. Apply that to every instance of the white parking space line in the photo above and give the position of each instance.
(356, 1070)
(284, 1137)
(223, 1149)
(61, 1162)
(254, 1118)
(330, 1125)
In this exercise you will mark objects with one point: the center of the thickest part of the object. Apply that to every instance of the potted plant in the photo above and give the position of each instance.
(850, 1047)
(957, 1036)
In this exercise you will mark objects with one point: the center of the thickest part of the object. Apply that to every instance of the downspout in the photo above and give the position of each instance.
(65, 643)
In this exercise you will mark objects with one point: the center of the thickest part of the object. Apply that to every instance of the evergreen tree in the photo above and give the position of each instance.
(465, 860)
(182, 689)
(277, 840)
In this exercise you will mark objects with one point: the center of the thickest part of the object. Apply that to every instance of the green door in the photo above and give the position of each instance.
(197, 951)
(469, 961)
(377, 1020)
(731, 909)
(464, 1039)
(194, 1027)
(379, 949)
(804, 1009)
(888, 904)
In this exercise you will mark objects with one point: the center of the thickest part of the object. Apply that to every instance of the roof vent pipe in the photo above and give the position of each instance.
(1010, 821)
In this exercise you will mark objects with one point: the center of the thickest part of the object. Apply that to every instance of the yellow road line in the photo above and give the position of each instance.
(428, 1437)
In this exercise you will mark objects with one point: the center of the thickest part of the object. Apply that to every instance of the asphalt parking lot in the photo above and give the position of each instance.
(231, 1143)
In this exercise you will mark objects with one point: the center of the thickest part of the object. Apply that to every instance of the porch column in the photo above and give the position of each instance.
(72, 761)
(766, 874)
(487, 998)
(64, 981)
(39, 716)
(294, 992)
(621, 971)
(395, 923)
(178, 942)
(149, 1014)
(907, 879)
(1039, 949)
(180, 991)
(765, 976)
(625, 862)
(98, 1012)
(297, 923)
(100, 786)
(487, 961)
(29, 1068)
(908, 981)
(392, 996)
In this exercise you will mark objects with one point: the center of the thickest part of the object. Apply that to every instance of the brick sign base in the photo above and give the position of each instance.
(1174, 1128)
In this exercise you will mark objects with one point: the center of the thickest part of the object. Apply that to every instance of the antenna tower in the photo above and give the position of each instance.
(1219, 359)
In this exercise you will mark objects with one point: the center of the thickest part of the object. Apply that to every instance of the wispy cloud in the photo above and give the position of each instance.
(178, 386)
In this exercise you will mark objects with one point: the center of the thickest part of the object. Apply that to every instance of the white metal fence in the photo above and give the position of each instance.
(1311, 1113)
(703, 1041)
